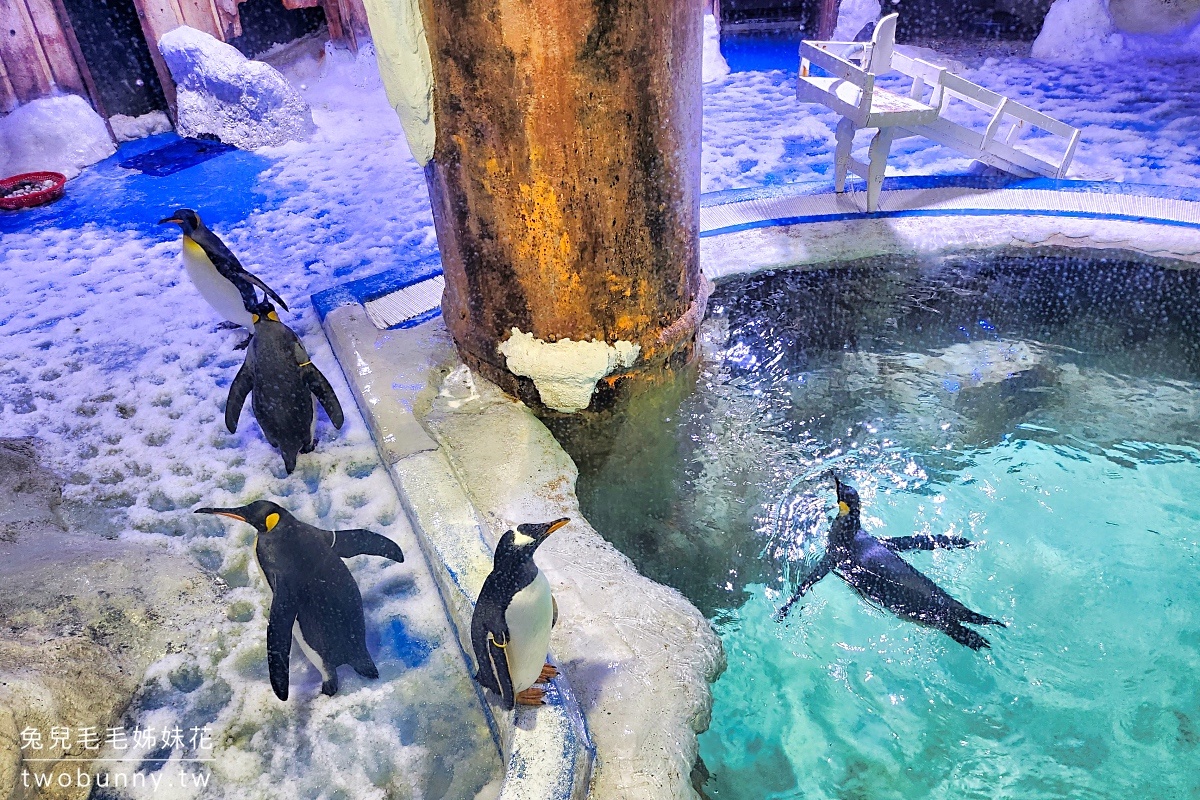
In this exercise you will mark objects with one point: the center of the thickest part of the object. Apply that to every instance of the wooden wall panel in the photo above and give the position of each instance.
(63, 67)
(8, 95)
(26, 65)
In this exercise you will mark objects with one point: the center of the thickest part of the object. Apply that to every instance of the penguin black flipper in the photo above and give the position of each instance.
(320, 387)
(359, 542)
(823, 568)
(243, 384)
(489, 638)
(228, 265)
(899, 544)
(284, 608)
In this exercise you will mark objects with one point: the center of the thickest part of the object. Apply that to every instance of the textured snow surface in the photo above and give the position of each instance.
(1138, 119)
(109, 356)
(55, 134)
(220, 92)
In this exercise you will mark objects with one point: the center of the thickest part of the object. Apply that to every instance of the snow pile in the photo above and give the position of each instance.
(715, 66)
(127, 128)
(1086, 30)
(53, 134)
(1077, 30)
(853, 16)
(222, 93)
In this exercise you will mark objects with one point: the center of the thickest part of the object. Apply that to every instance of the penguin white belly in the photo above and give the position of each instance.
(529, 616)
(213, 286)
(316, 660)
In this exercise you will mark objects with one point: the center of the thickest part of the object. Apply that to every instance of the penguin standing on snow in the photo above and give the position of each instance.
(216, 272)
(283, 379)
(510, 627)
(872, 567)
(313, 595)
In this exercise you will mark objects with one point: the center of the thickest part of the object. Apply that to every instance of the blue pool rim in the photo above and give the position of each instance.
(377, 285)
(981, 184)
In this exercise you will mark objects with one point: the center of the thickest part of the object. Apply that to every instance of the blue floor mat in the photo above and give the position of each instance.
(223, 186)
(176, 156)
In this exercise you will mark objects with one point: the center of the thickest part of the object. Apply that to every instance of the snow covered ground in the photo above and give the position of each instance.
(110, 356)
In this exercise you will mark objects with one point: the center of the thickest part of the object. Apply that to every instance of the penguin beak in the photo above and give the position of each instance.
(539, 531)
(223, 512)
(169, 219)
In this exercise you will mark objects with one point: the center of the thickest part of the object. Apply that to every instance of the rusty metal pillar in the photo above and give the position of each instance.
(565, 178)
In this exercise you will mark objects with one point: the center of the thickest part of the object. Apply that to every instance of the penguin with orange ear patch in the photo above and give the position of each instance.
(510, 627)
(283, 379)
(313, 595)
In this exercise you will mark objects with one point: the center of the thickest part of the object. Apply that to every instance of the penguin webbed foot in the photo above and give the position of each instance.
(965, 636)
(330, 687)
(532, 696)
(549, 672)
(242, 345)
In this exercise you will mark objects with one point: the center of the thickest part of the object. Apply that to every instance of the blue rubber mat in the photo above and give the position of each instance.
(176, 156)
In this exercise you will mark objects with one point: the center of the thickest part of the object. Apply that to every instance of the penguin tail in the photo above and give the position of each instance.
(966, 636)
(365, 667)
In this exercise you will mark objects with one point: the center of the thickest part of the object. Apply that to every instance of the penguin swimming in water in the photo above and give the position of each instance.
(313, 595)
(214, 269)
(510, 627)
(283, 379)
(872, 567)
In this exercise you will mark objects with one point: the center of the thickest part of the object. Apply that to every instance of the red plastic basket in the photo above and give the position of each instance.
(40, 197)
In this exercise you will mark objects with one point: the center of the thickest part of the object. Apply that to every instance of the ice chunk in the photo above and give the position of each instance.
(715, 66)
(1078, 30)
(127, 128)
(56, 134)
(222, 93)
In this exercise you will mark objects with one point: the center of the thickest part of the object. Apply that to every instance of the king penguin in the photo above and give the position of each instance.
(313, 595)
(214, 269)
(283, 379)
(872, 567)
(510, 627)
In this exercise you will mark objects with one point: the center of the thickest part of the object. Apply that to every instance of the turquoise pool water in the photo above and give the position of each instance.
(1042, 404)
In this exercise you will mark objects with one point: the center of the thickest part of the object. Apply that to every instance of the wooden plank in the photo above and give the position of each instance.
(8, 96)
(827, 19)
(201, 15)
(355, 13)
(64, 68)
(333, 20)
(85, 72)
(22, 54)
(292, 5)
(158, 17)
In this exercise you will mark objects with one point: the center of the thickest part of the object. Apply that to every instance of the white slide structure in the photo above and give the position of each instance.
(993, 137)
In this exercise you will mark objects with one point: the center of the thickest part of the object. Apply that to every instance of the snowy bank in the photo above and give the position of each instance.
(222, 93)
(56, 134)
(1099, 30)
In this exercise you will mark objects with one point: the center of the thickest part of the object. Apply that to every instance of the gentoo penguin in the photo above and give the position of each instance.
(283, 379)
(216, 272)
(872, 567)
(510, 627)
(313, 594)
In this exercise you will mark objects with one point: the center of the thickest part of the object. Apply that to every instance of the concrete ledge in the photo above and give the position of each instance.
(639, 656)
(548, 751)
